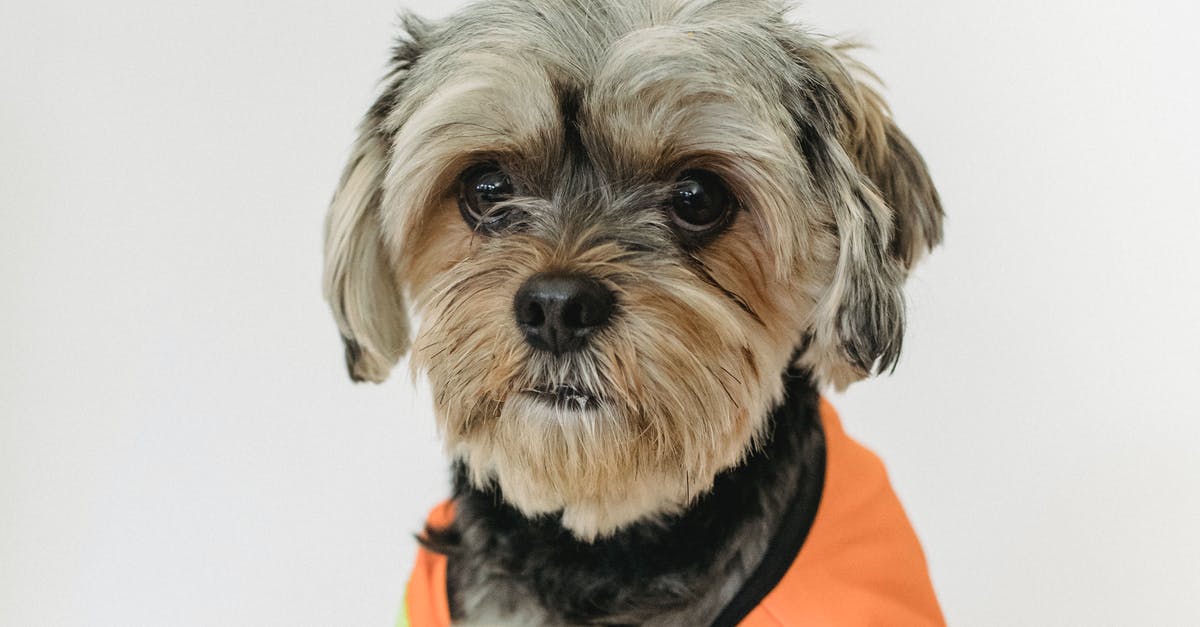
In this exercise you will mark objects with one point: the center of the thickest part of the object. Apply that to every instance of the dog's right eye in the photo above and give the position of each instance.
(482, 193)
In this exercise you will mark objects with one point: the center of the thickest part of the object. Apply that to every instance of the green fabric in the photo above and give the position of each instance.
(403, 620)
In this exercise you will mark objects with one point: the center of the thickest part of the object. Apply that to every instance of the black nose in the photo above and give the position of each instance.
(557, 311)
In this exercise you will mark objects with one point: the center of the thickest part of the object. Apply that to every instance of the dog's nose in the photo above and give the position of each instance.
(558, 311)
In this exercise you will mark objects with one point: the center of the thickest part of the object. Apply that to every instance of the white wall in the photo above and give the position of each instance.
(179, 444)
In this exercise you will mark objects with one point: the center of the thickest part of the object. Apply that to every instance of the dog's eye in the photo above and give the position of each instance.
(482, 188)
(700, 202)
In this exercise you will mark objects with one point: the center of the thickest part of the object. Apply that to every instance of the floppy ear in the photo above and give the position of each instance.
(899, 173)
(885, 210)
(360, 281)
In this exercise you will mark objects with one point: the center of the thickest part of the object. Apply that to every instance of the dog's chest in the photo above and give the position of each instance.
(500, 600)
(505, 569)
(501, 578)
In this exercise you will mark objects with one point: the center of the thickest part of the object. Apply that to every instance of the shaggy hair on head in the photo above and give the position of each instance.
(594, 109)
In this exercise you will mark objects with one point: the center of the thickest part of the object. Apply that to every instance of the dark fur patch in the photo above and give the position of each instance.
(568, 107)
(409, 46)
(353, 354)
(906, 185)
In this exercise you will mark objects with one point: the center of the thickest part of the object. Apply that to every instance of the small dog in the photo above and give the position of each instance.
(639, 235)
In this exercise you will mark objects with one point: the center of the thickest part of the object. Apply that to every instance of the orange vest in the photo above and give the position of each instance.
(861, 563)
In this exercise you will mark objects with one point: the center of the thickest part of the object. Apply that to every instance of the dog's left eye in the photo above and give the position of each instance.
(700, 202)
(482, 188)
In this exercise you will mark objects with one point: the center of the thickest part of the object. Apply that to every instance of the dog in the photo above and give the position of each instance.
(640, 236)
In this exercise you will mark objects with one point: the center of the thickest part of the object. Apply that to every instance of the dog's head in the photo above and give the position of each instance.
(618, 223)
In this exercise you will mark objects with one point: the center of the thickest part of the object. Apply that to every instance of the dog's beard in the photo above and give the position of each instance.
(635, 425)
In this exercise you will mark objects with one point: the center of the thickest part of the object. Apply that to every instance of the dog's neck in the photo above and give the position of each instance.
(709, 565)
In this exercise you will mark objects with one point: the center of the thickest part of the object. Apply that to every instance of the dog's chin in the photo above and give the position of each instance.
(565, 398)
(560, 451)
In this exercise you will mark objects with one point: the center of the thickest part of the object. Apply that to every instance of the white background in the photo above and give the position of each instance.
(179, 444)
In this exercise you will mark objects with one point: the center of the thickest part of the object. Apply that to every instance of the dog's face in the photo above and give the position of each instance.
(618, 223)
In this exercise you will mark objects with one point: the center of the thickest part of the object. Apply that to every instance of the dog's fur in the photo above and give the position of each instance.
(595, 107)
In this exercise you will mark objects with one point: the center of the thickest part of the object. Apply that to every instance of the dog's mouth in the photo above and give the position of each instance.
(565, 397)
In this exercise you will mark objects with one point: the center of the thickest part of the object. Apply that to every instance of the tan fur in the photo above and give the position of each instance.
(690, 367)
(685, 377)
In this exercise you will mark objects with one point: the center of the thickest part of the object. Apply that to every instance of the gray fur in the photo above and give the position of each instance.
(774, 82)
(595, 107)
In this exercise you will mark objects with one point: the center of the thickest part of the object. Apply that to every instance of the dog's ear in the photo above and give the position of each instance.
(886, 212)
(899, 173)
(361, 282)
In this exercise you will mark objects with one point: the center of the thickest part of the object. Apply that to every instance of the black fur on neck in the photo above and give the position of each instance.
(710, 556)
